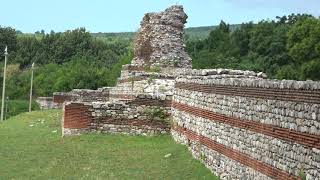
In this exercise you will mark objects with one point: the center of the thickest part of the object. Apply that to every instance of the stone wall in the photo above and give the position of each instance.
(238, 123)
(145, 115)
(82, 95)
(249, 127)
(47, 103)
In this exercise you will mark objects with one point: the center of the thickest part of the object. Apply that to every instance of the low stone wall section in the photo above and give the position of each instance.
(82, 95)
(47, 103)
(145, 115)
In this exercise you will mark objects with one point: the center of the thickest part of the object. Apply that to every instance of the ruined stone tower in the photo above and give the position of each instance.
(159, 41)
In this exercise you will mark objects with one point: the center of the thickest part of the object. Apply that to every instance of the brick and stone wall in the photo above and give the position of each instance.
(144, 115)
(76, 118)
(61, 97)
(82, 95)
(238, 123)
(249, 127)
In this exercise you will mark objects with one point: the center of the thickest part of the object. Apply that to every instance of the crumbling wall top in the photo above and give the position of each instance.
(159, 41)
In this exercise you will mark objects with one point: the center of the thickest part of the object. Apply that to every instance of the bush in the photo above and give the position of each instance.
(15, 107)
(156, 114)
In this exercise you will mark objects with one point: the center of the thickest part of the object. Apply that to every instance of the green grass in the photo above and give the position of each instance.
(31, 147)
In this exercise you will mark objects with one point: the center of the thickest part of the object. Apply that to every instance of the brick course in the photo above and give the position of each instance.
(295, 95)
(309, 140)
(236, 155)
(131, 117)
(61, 98)
(77, 116)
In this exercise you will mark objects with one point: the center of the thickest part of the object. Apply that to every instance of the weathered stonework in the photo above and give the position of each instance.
(47, 103)
(272, 123)
(82, 95)
(135, 117)
(159, 41)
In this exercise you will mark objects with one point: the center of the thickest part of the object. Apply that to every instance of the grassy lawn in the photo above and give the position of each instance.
(31, 147)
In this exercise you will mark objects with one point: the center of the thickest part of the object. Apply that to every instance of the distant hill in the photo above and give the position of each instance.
(107, 37)
(198, 33)
(202, 32)
(193, 33)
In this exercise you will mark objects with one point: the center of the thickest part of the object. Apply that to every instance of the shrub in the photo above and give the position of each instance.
(15, 107)
(156, 114)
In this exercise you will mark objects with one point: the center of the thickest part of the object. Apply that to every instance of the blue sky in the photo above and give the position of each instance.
(125, 15)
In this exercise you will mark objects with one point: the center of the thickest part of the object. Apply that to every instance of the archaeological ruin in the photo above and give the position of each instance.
(240, 124)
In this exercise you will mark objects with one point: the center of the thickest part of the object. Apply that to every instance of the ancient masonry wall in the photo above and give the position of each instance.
(135, 80)
(249, 128)
(159, 41)
(145, 115)
(81, 95)
(238, 123)
(47, 103)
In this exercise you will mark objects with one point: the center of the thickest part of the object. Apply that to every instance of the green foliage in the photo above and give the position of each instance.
(15, 107)
(78, 73)
(152, 69)
(202, 157)
(64, 61)
(8, 38)
(302, 175)
(156, 114)
(59, 48)
(288, 48)
(151, 78)
(311, 70)
(288, 72)
(304, 40)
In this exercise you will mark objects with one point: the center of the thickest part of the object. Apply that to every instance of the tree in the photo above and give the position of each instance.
(241, 38)
(287, 48)
(8, 38)
(304, 40)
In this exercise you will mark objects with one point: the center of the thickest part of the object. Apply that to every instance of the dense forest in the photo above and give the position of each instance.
(285, 48)
(64, 61)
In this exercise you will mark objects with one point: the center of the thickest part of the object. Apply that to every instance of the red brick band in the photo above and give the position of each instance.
(305, 139)
(307, 96)
(77, 116)
(61, 98)
(242, 158)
